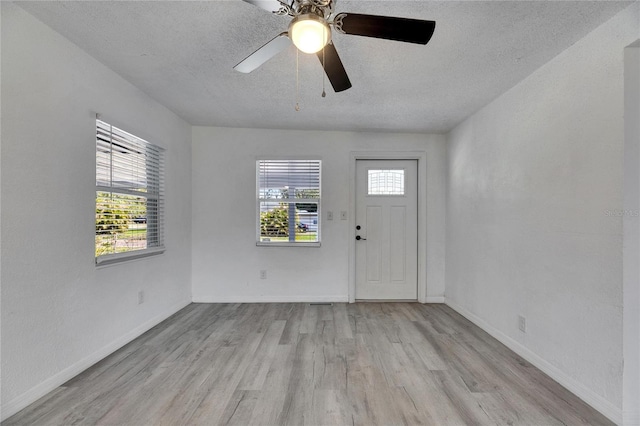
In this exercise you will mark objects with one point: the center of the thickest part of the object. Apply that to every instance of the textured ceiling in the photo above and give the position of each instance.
(182, 54)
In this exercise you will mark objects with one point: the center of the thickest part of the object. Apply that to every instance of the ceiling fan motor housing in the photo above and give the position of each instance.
(323, 8)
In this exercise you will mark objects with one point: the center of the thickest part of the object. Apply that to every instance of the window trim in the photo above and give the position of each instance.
(159, 197)
(113, 258)
(259, 200)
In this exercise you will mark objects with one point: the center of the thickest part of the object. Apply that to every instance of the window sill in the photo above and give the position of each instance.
(112, 259)
(285, 244)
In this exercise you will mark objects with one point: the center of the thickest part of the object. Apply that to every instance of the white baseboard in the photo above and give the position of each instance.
(596, 401)
(273, 299)
(631, 418)
(434, 299)
(43, 388)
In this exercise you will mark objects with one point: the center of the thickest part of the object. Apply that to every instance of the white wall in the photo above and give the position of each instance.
(59, 313)
(631, 229)
(534, 180)
(226, 261)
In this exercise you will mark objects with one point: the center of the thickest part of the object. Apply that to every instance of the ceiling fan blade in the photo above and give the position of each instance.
(333, 68)
(266, 52)
(387, 27)
(270, 5)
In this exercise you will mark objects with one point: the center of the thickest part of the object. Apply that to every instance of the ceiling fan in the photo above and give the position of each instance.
(311, 27)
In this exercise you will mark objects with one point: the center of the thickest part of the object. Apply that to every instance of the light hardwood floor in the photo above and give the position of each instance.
(299, 364)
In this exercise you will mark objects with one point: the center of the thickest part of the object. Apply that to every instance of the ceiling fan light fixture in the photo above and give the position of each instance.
(309, 32)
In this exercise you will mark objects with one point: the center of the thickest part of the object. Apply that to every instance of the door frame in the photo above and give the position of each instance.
(421, 158)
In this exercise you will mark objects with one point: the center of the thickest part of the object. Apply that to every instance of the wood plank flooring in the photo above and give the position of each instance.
(300, 364)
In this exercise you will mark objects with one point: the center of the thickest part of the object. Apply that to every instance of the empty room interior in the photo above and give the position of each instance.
(320, 212)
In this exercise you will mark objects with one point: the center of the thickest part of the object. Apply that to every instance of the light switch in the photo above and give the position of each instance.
(329, 215)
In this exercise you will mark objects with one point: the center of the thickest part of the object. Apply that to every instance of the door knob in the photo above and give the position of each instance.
(358, 237)
(358, 227)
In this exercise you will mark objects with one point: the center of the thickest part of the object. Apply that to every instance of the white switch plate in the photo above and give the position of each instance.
(329, 215)
(343, 215)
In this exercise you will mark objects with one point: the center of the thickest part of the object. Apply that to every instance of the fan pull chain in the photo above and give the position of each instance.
(324, 94)
(297, 82)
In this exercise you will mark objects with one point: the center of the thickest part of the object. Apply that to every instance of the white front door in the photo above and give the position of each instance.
(386, 229)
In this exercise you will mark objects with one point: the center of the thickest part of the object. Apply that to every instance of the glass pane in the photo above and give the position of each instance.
(386, 182)
(121, 223)
(275, 225)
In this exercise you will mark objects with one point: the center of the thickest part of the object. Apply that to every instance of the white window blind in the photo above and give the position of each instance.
(129, 195)
(288, 202)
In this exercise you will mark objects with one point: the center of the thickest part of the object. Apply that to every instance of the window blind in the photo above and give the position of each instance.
(129, 193)
(288, 201)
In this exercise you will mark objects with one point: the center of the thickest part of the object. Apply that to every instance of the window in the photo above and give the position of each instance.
(129, 195)
(386, 182)
(288, 202)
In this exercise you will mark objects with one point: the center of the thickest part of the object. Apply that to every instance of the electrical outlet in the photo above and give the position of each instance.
(263, 274)
(522, 323)
(329, 215)
(140, 297)
(343, 215)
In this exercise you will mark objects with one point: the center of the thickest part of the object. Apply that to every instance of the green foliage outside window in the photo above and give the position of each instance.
(116, 230)
(275, 223)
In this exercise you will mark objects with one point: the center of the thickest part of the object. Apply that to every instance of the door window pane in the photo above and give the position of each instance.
(386, 182)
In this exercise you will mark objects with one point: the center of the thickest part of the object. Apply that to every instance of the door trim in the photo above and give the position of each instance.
(421, 158)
